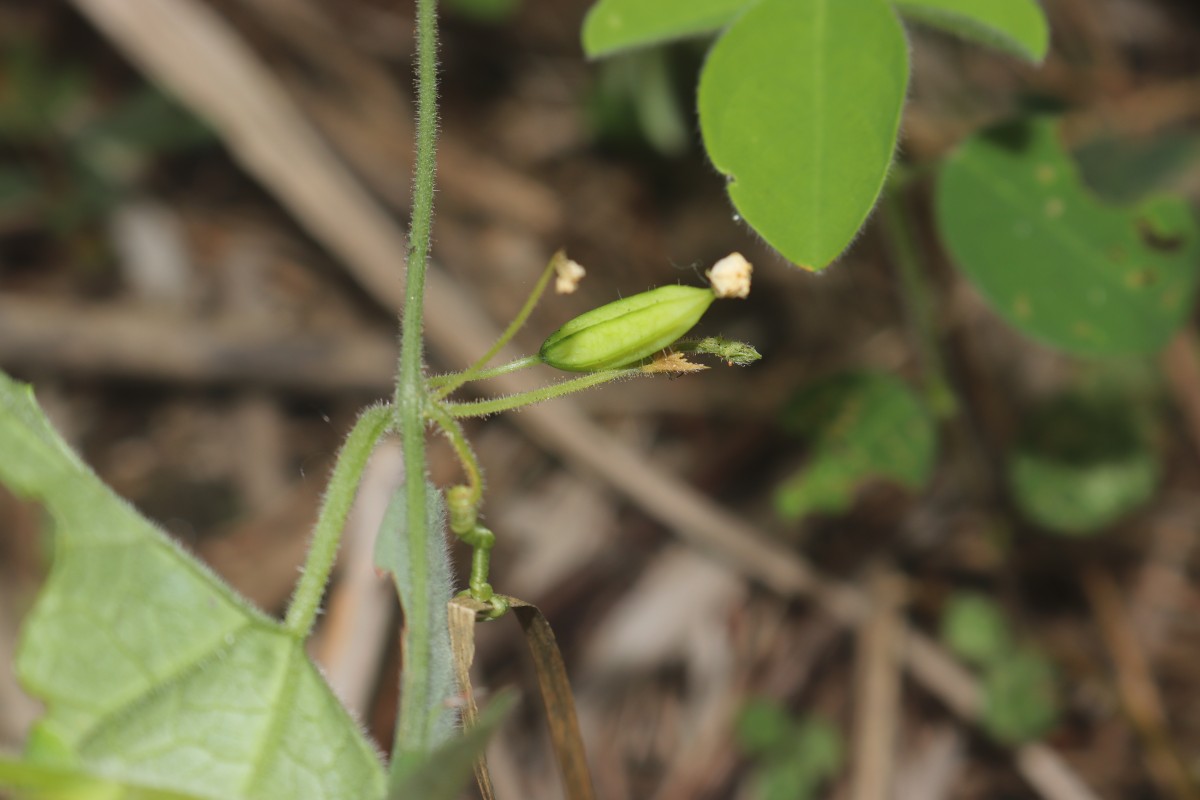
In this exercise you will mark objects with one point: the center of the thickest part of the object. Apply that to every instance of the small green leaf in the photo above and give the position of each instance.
(1081, 464)
(763, 728)
(783, 780)
(147, 122)
(614, 25)
(799, 106)
(861, 426)
(444, 772)
(1081, 500)
(42, 99)
(819, 748)
(731, 352)
(973, 626)
(1015, 26)
(635, 101)
(428, 689)
(1020, 697)
(792, 757)
(20, 190)
(1055, 262)
(153, 672)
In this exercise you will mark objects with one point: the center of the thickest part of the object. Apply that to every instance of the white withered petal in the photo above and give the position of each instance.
(730, 277)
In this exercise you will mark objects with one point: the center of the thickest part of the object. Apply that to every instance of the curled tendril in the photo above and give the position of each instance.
(462, 510)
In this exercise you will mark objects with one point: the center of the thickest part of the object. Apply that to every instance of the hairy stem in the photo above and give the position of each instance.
(482, 408)
(410, 385)
(327, 534)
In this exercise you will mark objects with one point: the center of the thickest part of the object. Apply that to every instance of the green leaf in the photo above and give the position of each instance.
(793, 756)
(1015, 26)
(799, 106)
(1081, 500)
(1081, 464)
(635, 100)
(783, 780)
(1124, 171)
(1054, 261)
(20, 190)
(42, 98)
(973, 626)
(443, 774)
(763, 728)
(1020, 698)
(819, 748)
(861, 426)
(615, 25)
(153, 672)
(35, 781)
(148, 122)
(428, 687)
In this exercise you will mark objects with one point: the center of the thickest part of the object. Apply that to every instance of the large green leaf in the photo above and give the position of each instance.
(1016, 26)
(153, 672)
(1053, 260)
(38, 781)
(799, 106)
(860, 426)
(614, 25)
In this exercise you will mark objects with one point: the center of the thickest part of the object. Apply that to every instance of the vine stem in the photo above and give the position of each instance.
(939, 392)
(339, 496)
(410, 384)
(466, 456)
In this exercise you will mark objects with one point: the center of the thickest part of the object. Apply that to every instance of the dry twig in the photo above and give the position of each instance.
(877, 690)
(1139, 693)
(144, 342)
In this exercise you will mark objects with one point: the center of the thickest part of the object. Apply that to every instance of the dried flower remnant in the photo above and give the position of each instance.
(569, 274)
(730, 277)
(673, 364)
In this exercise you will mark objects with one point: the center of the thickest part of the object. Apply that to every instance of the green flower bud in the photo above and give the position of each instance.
(626, 331)
(732, 353)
